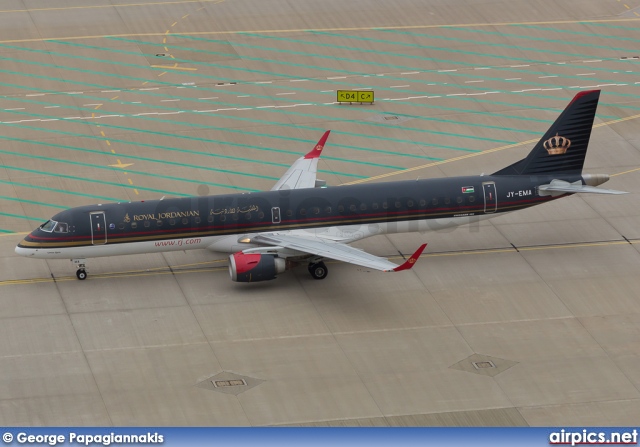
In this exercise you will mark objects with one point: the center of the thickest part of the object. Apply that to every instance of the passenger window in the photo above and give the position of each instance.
(472, 198)
(134, 225)
(158, 223)
(409, 203)
(363, 207)
(172, 221)
(210, 219)
(340, 209)
(423, 202)
(459, 199)
(434, 201)
(289, 213)
(197, 220)
(327, 210)
(398, 205)
(447, 200)
(303, 212)
(374, 206)
(146, 224)
(121, 226)
(385, 205)
(185, 221)
(223, 218)
(352, 207)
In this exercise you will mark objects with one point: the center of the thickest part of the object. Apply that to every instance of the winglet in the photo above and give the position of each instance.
(412, 260)
(316, 151)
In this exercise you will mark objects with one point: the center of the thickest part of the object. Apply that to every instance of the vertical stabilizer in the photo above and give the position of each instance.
(563, 148)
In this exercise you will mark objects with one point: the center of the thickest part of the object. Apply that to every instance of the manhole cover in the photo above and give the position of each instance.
(229, 383)
(484, 365)
(390, 118)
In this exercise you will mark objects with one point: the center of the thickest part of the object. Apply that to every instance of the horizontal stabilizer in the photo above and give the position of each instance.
(562, 187)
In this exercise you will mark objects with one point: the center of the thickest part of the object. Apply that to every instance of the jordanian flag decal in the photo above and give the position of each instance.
(467, 189)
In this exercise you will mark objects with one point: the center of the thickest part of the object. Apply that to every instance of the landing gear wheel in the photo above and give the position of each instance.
(81, 274)
(318, 270)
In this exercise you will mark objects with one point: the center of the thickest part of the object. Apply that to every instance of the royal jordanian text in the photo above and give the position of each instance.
(90, 439)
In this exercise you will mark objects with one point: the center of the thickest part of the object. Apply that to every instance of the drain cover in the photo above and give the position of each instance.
(484, 365)
(229, 383)
(390, 118)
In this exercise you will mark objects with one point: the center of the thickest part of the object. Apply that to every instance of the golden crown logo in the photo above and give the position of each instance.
(557, 145)
(319, 147)
(127, 219)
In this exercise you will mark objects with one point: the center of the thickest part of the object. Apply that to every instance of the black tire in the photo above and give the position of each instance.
(318, 270)
(81, 274)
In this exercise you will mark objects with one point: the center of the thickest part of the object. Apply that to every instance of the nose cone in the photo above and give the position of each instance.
(23, 251)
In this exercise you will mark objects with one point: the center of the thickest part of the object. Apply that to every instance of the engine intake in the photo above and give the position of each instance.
(254, 267)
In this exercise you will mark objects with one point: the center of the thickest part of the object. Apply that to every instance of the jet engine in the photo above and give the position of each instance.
(252, 267)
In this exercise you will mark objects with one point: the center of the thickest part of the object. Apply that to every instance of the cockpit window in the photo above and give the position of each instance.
(48, 226)
(62, 227)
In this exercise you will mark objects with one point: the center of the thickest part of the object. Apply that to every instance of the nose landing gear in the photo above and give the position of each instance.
(81, 273)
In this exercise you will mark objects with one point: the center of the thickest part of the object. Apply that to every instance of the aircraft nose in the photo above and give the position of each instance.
(24, 251)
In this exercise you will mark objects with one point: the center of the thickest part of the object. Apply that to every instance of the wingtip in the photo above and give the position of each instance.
(409, 263)
(317, 150)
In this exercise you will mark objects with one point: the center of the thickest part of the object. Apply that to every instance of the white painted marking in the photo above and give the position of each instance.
(549, 89)
(397, 99)
(87, 105)
(513, 79)
(75, 93)
(211, 97)
(552, 76)
(490, 93)
(51, 119)
(52, 107)
(170, 113)
(245, 108)
(410, 73)
(517, 66)
(75, 117)
(231, 108)
(141, 89)
(143, 114)
(35, 94)
(584, 74)
(284, 107)
(290, 93)
(17, 108)
(337, 77)
(265, 107)
(418, 97)
(593, 60)
(113, 91)
(29, 121)
(445, 71)
(435, 96)
(329, 103)
(136, 102)
(298, 80)
(471, 82)
(606, 85)
(326, 91)
(264, 82)
(457, 94)
(398, 86)
(482, 68)
(188, 83)
(103, 116)
(205, 111)
(244, 96)
(169, 100)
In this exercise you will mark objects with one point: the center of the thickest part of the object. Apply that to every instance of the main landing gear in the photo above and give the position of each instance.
(318, 270)
(81, 273)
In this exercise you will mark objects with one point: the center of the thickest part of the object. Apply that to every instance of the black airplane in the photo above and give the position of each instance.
(300, 221)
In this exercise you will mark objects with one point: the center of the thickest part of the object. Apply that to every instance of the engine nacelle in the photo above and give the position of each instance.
(252, 267)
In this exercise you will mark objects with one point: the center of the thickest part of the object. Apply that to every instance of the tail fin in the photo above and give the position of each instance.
(563, 148)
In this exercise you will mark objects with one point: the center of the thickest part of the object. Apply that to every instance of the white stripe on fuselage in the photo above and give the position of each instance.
(229, 243)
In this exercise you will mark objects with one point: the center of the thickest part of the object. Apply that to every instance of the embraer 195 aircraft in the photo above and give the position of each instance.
(300, 222)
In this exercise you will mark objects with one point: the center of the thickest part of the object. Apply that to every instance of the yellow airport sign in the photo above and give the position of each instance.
(355, 96)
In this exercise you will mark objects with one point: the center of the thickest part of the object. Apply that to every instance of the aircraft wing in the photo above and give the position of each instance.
(335, 250)
(302, 173)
